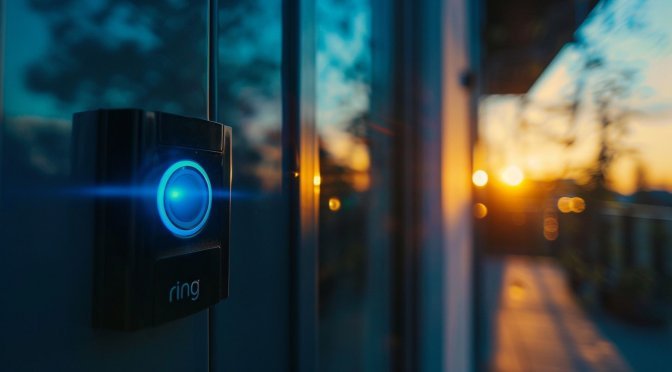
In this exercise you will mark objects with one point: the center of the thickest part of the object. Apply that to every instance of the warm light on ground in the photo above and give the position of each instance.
(480, 178)
(517, 291)
(480, 210)
(512, 175)
(334, 204)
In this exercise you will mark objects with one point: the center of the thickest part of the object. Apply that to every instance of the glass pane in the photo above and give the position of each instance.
(349, 312)
(574, 189)
(254, 319)
(61, 57)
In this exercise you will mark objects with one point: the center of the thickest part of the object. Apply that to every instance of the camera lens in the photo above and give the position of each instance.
(184, 198)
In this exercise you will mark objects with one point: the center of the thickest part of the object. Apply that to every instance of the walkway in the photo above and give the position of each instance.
(535, 323)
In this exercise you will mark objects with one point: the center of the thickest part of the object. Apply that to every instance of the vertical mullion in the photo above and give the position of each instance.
(380, 353)
(212, 52)
(298, 163)
(475, 12)
(290, 162)
(407, 183)
(3, 20)
(397, 282)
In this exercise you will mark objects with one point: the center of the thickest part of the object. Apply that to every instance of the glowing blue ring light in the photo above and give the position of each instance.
(184, 198)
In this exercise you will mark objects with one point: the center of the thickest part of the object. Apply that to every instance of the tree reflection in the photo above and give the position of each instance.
(153, 55)
(343, 90)
(123, 53)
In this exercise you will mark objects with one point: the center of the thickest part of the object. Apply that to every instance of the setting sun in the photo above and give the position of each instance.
(512, 175)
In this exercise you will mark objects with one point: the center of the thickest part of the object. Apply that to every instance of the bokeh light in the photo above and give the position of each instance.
(551, 228)
(480, 178)
(480, 210)
(334, 204)
(578, 205)
(564, 204)
(568, 204)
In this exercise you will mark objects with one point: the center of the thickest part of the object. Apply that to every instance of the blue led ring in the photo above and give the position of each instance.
(169, 196)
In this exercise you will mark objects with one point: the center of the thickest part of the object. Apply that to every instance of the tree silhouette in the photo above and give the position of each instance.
(601, 90)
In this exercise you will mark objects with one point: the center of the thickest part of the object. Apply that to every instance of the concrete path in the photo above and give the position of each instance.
(535, 324)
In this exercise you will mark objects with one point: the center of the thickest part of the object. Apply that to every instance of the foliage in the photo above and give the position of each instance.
(579, 269)
(598, 94)
(637, 283)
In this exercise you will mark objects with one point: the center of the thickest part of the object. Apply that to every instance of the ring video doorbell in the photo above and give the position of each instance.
(162, 195)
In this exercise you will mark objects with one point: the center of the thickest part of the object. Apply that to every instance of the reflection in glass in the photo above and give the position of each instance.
(256, 315)
(343, 89)
(249, 89)
(93, 55)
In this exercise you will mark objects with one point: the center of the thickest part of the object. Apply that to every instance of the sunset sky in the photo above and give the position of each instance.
(630, 35)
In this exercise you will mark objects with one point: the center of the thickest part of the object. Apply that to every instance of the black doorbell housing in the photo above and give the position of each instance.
(162, 187)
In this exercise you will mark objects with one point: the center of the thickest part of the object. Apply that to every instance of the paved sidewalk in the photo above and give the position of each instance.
(535, 324)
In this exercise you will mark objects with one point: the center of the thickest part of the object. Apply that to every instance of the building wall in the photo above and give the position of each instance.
(456, 181)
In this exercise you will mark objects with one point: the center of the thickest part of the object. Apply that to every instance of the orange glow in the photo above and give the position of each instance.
(564, 204)
(361, 181)
(334, 204)
(317, 180)
(516, 291)
(550, 236)
(551, 228)
(480, 210)
(518, 218)
(512, 175)
(551, 224)
(359, 161)
(568, 205)
(359, 158)
(578, 205)
(480, 178)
